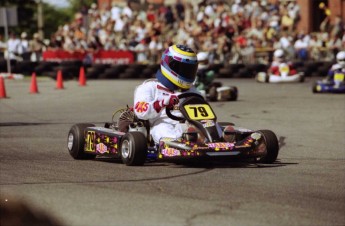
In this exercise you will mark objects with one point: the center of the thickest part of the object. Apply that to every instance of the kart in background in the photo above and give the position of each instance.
(283, 76)
(217, 92)
(128, 138)
(328, 86)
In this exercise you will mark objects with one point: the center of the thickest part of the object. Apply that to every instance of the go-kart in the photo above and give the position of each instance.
(217, 92)
(284, 76)
(127, 137)
(328, 86)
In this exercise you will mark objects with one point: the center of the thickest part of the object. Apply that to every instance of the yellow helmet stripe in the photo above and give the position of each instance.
(174, 80)
(183, 52)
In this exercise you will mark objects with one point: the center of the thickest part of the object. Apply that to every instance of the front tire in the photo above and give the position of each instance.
(134, 149)
(315, 88)
(272, 147)
(213, 95)
(76, 141)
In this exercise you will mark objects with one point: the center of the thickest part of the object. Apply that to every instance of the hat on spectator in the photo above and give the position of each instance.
(23, 35)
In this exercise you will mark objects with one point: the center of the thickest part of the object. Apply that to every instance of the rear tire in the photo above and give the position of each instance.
(302, 79)
(134, 149)
(76, 141)
(233, 94)
(272, 146)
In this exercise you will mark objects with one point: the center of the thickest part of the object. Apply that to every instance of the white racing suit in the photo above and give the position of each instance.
(145, 97)
(336, 75)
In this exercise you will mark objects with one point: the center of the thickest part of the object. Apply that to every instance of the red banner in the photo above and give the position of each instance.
(99, 57)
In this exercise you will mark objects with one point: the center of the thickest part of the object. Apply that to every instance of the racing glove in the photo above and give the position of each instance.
(167, 101)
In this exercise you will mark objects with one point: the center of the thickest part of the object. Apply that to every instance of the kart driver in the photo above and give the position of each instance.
(279, 58)
(205, 75)
(337, 72)
(176, 75)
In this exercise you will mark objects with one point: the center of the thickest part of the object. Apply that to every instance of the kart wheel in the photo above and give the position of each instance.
(272, 146)
(267, 78)
(134, 149)
(76, 142)
(213, 93)
(233, 94)
(315, 88)
(302, 79)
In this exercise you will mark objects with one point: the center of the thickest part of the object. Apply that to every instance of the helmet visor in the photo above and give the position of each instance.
(185, 70)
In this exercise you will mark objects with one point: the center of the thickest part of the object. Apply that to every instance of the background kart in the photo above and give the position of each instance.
(283, 77)
(217, 92)
(327, 86)
(128, 138)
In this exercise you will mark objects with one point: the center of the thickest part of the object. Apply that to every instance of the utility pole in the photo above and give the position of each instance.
(40, 19)
(4, 12)
(8, 17)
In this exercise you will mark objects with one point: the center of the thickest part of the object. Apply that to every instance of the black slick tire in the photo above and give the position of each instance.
(272, 146)
(76, 141)
(133, 149)
(233, 94)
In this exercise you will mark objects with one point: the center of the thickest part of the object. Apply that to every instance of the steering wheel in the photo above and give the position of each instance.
(180, 96)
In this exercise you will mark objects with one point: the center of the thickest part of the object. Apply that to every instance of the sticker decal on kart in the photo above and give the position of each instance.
(221, 146)
(171, 152)
(90, 141)
(102, 148)
(100, 143)
(207, 123)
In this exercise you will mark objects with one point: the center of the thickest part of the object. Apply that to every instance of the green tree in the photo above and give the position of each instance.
(25, 12)
(79, 5)
(53, 17)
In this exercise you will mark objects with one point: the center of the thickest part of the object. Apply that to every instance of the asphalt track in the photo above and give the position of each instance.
(305, 187)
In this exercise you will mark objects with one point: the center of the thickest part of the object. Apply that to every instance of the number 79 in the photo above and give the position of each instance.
(202, 111)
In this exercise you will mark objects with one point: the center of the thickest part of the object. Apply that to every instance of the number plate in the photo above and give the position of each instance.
(284, 69)
(339, 77)
(199, 111)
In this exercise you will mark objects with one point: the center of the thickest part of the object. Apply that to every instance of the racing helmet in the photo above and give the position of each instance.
(279, 54)
(341, 58)
(202, 60)
(178, 68)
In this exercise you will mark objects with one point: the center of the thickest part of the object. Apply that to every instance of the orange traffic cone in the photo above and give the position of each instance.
(2, 88)
(33, 87)
(59, 80)
(82, 79)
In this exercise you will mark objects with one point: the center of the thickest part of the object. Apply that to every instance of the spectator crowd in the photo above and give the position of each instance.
(231, 32)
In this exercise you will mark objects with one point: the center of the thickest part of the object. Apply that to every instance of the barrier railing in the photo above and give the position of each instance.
(99, 57)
